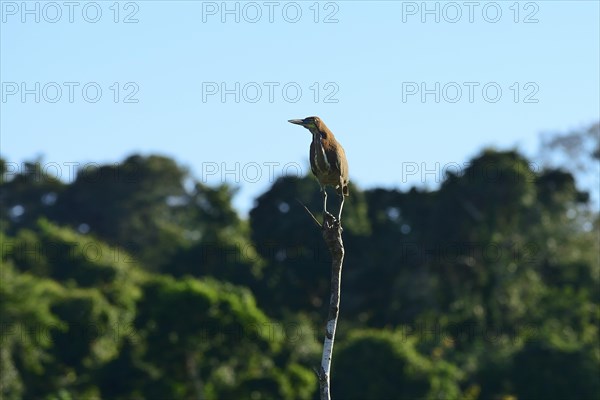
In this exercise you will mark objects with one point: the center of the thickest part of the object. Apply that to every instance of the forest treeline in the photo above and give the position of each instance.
(137, 281)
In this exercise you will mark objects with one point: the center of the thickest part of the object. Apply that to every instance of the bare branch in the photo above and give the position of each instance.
(310, 213)
(332, 234)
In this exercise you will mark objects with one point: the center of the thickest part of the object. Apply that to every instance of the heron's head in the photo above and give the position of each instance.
(308, 122)
(313, 124)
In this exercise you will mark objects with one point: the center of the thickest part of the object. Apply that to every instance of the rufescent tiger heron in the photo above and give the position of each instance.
(327, 159)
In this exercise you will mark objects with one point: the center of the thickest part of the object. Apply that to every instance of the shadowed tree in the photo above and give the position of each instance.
(385, 365)
(129, 205)
(297, 270)
(84, 306)
(217, 344)
(217, 242)
(28, 191)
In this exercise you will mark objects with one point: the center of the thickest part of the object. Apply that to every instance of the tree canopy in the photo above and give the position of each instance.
(136, 281)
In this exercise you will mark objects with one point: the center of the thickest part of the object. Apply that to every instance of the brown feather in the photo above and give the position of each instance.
(337, 174)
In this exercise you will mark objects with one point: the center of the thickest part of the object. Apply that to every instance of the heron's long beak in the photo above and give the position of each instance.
(296, 121)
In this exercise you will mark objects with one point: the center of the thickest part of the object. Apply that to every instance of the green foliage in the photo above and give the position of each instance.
(296, 276)
(534, 372)
(134, 281)
(404, 373)
(135, 213)
(26, 320)
(540, 369)
(30, 192)
(223, 348)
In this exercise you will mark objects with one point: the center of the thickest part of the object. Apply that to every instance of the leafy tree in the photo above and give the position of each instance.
(128, 205)
(543, 371)
(135, 281)
(296, 276)
(83, 306)
(375, 364)
(77, 260)
(26, 320)
(222, 348)
(218, 242)
(27, 192)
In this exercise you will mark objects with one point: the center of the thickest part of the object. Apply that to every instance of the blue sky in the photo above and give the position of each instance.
(363, 72)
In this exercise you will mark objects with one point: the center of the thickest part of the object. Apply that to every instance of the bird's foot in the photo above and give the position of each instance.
(330, 221)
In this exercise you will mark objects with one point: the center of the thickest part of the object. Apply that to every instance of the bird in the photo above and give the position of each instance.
(327, 159)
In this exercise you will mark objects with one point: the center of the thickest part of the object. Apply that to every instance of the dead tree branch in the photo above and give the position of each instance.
(332, 234)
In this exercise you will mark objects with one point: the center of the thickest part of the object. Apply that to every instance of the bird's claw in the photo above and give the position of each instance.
(330, 220)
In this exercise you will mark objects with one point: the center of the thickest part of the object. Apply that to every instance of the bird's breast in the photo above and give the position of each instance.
(318, 157)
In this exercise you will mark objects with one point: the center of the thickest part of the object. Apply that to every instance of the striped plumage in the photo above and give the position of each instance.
(327, 158)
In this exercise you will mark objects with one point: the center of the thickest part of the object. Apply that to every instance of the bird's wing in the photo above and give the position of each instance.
(339, 159)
